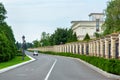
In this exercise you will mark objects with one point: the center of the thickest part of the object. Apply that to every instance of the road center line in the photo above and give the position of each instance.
(46, 78)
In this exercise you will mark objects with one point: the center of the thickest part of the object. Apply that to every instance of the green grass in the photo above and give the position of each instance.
(16, 60)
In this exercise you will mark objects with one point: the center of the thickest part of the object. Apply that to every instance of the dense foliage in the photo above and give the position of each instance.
(36, 43)
(87, 37)
(60, 36)
(7, 41)
(112, 21)
(108, 65)
(2, 13)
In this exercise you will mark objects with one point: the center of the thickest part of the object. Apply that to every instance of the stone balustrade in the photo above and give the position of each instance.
(107, 47)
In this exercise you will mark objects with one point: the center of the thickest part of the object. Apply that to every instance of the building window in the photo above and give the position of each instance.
(97, 25)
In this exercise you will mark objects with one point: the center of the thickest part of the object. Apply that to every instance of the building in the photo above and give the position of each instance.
(81, 28)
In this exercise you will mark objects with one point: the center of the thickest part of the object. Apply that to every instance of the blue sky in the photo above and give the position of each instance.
(32, 17)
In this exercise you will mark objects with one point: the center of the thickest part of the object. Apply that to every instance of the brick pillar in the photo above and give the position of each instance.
(61, 48)
(97, 48)
(70, 48)
(89, 48)
(64, 48)
(107, 39)
(93, 52)
(101, 48)
(76, 48)
(84, 48)
(114, 38)
(113, 48)
(80, 48)
(67, 48)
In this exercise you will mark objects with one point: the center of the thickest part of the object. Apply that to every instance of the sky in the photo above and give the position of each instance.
(32, 17)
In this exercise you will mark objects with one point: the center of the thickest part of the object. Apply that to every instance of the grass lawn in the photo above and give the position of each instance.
(16, 60)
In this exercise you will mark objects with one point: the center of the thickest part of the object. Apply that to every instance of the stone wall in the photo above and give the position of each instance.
(107, 47)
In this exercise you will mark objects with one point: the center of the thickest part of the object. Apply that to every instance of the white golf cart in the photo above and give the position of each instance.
(35, 53)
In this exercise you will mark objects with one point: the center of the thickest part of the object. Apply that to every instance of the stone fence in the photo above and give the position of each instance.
(107, 47)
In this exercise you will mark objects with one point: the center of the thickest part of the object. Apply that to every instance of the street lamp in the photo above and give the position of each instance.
(23, 47)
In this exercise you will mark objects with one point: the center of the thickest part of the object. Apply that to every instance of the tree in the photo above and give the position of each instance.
(62, 36)
(112, 21)
(36, 43)
(97, 35)
(87, 37)
(71, 37)
(4, 48)
(8, 48)
(45, 39)
(2, 13)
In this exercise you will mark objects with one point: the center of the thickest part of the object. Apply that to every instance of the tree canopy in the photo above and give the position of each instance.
(112, 21)
(87, 37)
(2, 13)
(60, 36)
(7, 41)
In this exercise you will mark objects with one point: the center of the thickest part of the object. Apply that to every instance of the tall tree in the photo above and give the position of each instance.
(112, 21)
(7, 41)
(87, 37)
(36, 43)
(45, 39)
(62, 36)
(71, 36)
(2, 13)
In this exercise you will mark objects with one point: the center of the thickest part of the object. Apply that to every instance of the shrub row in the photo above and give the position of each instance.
(108, 65)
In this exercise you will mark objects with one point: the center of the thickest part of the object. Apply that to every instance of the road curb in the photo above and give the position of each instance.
(17, 65)
(109, 75)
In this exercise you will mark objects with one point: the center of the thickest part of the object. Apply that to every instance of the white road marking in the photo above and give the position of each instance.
(46, 78)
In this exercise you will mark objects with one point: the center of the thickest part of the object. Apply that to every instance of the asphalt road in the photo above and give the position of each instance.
(48, 67)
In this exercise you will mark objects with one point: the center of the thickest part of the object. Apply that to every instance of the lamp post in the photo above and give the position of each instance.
(23, 47)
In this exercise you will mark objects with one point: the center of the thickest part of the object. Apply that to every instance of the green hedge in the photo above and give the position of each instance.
(108, 65)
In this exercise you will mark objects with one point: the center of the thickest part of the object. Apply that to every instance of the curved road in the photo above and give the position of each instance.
(48, 67)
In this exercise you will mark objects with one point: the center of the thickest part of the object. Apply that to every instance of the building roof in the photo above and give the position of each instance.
(82, 21)
(96, 14)
(77, 22)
